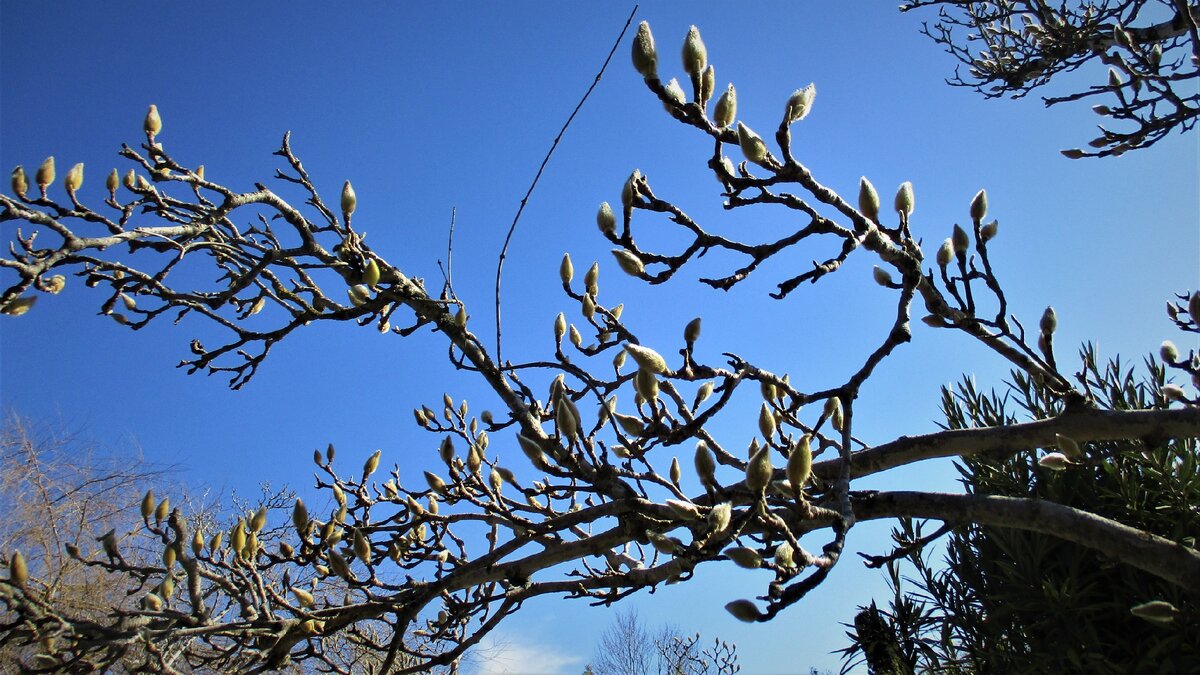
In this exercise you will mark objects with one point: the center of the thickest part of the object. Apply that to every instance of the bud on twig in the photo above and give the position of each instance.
(1156, 611)
(153, 123)
(743, 610)
(45, 175)
(695, 55)
(605, 220)
(800, 104)
(647, 358)
(645, 58)
(20, 185)
(726, 109)
(629, 262)
(752, 145)
(904, 200)
(349, 201)
(868, 199)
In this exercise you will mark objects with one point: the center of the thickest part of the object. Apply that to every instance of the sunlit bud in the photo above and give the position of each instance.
(200, 172)
(18, 570)
(435, 482)
(785, 555)
(1049, 322)
(1174, 392)
(979, 206)
(197, 543)
(960, 241)
(566, 271)
(629, 191)
(45, 175)
(691, 332)
(349, 200)
(726, 109)
(619, 360)
(303, 597)
(1168, 352)
(130, 303)
(300, 517)
(605, 219)
(259, 520)
(675, 93)
(460, 317)
(767, 389)
(799, 465)
(629, 424)
(647, 358)
(1194, 307)
(1114, 78)
(588, 307)
(560, 327)
(708, 84)
(719, 517)
(564, 417)
(766, 422)
(945, 253)
(1073, 153)
(629, 262)
(1156, 53)
(168, 557)
(576, 338)
(695, 55)
(152, 602)
(339, 565)
(744, 557)
(148, 505)
(645, 58)
(370, 275)
(532, 450)
(74, 179)
(591, 280)
(153, 123)
(372, 463)
(237, 537)
(868, 199)
(743, 610)
(1157, 611)
(800, 103)
(119, 318)
(214, 544)
(1067, 445)
(167, 587)
(833, 410)
(646, 384)
(362, 547)
(164, 507)
(359, 295)
(130, 180)
(676, 472)
(752, 145)
(112, 182)
(706, 464)
(988, 231)
(1055, 461)
(685, 510)
(20, 184)
(759, 470)
(882, 276)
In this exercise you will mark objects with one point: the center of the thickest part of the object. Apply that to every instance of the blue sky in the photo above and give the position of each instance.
(432, 106)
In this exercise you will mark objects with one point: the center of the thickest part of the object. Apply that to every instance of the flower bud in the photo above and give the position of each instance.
(726, 109)
(359, 295)
(744, 557)
(882, 276)
(695, 55)
(1055, 461)
(588, 307)
(435, 482)
(18, 570)
(303, 597)
(719, 517)
(675, 93)
(1174, 392)
(629, 191)
(349, 200)
(370, 277)
(799, 465)
(988, 231)
(1194, 307)
(1114, 78)
(371, 464)
(676, 472)
(629, 262)
(799, 104)
(833, 410)
(759, 470)
(197, 543)
(164, 507)
(560, 327)
(1067, 445)
(1049, 321)
(1169, 352)
(259, 520)
(591, 280)
(148, 505)
(300, 517)
(362, 547)
(1156, 611)
(706, 464)
(684, 510)
(576, 338)
(785, 555)
(702, 394)
(904, 200)
(20, 184)
(153, 122)
(45, 175)
(113, 182)
(646, 384)
(960, 240)
(868, 199)
(708, 84)
(605, 220)
(752, 146)
(691, 332)
(74, 179)
(629, 424)
(645, 58)
(766, 422)
(979, 206)
(130, 180)
(566, 271)
(743, 610)
(647, 359)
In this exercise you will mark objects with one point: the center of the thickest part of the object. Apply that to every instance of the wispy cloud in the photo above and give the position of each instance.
(509, 655)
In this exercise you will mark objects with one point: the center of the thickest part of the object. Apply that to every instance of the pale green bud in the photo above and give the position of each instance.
(1157, 611)
(1049, 322)
(988, 231)
(591, 280)
(744, 557)
(882, 276)
(719, 517)
(605, 219)
(960, 240)
(1168, 352)
(675, 93)
(868, 199)
(647, 358)
(743, 610)
(153, 122)
(979, 206)
(726, 109)
(766, 422)
(566, 271)
(560, 327)
(800, 104)
(706, 464)
(945, 253)
(1067, 445)
(629, 191)
(18, 569)
(349, 200)
(676, 472)
(691, 332)
(629, 262)
(646, 384)
(702, 394)
(799, 465)
(759, 470)
(708, 83)
(752, 145)
(695, 55)
(645, 57)
(1055, 461)
(785, 555)
(904, 199)
(371, 273)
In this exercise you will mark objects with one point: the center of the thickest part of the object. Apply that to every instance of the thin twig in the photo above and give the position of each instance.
(546, 160)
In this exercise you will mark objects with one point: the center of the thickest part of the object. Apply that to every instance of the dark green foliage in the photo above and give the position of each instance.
(1007, 600)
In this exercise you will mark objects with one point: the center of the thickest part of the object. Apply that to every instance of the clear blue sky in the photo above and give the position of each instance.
(426, 107)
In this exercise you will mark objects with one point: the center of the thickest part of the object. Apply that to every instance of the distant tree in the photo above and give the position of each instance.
(1151, 48)
(1005, 600)
(416, 575)
(629, 647)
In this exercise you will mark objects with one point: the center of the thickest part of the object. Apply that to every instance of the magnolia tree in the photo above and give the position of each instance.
(1012, 47)
(416, 574)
